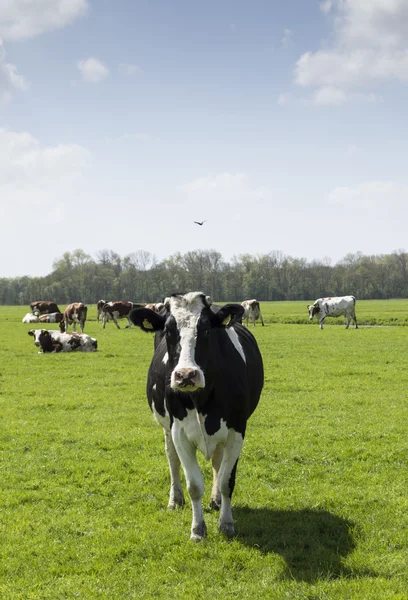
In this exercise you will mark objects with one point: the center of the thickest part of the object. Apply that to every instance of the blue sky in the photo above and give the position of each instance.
(281, 123)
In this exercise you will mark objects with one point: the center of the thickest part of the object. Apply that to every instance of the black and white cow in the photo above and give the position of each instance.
(252, 311)
(334, 307)
(51, 340)
(204, 382)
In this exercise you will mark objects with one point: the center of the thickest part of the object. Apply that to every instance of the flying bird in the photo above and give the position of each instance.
(200, 222)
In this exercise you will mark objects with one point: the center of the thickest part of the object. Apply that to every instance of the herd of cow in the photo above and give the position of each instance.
(204, 381)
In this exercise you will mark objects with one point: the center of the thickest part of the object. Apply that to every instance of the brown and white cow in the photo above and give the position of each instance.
(51, 318)
(43, 307)
(252, 311)
(99, 312)
(334, 307)
(74, 313)
(51, 340)
(156, 307)
(118, 310)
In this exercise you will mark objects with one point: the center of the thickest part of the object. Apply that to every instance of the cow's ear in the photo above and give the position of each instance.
(31, 332)
(147, 319)
(229, 314)
(308, 306)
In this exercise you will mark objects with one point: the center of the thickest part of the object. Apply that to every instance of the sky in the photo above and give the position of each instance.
(283, 124)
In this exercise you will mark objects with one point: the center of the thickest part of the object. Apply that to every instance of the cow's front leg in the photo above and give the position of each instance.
(194, 479)
(116, 321)
(226, 481)
(216, 459)
(176, 491)
(321, 323)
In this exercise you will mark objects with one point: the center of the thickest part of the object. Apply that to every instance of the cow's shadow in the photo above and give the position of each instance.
(313, 543)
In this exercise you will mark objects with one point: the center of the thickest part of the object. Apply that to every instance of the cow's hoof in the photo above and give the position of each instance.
(215, 504)
(227, 529)
(175, 504)
(198, 532)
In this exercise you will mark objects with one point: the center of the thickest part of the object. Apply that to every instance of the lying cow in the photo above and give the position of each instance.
(30, 318)
(120, 309)
(43, 307)
(74, 313)
(52, 318)
(51, 340)
(334, 307)
(252, 311)
(204, 382)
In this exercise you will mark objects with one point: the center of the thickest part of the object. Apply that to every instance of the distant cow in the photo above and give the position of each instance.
(74, 313)
(51, 340)
(204, 382)
(156, 307)
(44, 307)
(30, 318)
(52, 318)
(118, 310)
(334, 307)
(252, 311)
(99, 312)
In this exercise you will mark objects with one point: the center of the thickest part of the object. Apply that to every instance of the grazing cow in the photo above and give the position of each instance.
(118, 310)
(204, 382)
(44, 307)
(30, 318)
(52, 318)
(334, 307)
(51, 340)
(252, 311)
(99, 312)
(74, 313)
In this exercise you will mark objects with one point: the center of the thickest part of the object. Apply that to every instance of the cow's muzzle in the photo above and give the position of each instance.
(187, 379)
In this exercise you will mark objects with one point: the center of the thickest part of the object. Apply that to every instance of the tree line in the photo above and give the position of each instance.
(140, 277)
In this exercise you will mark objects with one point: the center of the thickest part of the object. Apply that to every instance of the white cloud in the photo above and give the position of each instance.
(21, 19)
(36, 178)
(371, 195)
(369, 47)
(10, 80)
(332, 96)
(129, 69)
(92, 70)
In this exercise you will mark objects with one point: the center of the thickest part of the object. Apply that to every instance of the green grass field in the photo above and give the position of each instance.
(320, 504)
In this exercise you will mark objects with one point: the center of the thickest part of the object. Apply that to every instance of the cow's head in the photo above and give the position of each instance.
(313, 309)
(187, 325)
(43, 339)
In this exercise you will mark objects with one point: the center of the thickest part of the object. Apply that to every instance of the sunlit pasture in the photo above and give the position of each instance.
(320, 503)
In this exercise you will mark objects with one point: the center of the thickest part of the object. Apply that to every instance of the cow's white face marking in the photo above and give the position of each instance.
(165, 358)
(187, 310)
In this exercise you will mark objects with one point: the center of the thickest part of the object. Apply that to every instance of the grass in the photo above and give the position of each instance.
(320, 504)
(369, 312)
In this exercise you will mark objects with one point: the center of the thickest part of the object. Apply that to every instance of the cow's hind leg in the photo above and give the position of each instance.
(176, 498)
(194, 480)
(215, 501)
(226, 481)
